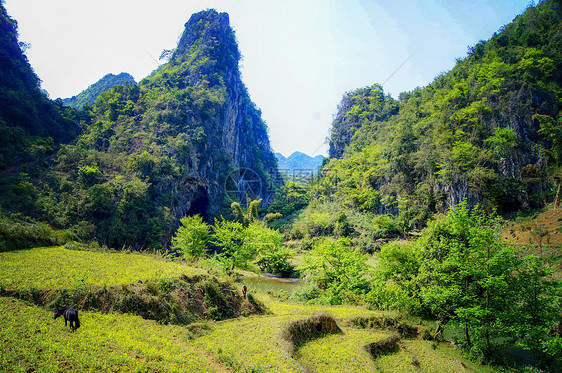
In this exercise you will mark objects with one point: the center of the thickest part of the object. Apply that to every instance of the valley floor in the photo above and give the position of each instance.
(33, 341)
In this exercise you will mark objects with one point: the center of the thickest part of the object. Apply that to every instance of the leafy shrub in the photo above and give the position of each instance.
(192, 237)
(385, 226)
(267, 244)
(18, 233)
(305, 293)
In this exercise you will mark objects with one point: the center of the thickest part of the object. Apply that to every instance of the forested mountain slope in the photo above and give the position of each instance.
(27, 117)
(154, 151)
(90, 94)
(488, 131)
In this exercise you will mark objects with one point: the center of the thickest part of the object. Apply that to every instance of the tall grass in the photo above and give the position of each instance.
(17, 233)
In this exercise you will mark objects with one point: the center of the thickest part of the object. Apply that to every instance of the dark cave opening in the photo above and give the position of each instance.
(200, 205)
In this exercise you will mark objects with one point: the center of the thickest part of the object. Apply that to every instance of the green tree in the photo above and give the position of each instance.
(252, 213)
(539, 309)
(396, 285)
(192, 237)
(267, 246)
(469, 276)
(337, 268)
(248, 216)
(551, 129)
(229, 236)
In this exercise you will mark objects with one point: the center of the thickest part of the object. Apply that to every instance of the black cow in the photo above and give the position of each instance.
(70, 314)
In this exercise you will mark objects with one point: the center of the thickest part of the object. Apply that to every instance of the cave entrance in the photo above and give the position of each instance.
(200, 205)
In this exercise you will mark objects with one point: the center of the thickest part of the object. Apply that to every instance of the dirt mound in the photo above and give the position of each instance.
(298, 332)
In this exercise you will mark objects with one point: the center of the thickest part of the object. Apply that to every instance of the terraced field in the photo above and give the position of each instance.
(58, 268)
(33, 341)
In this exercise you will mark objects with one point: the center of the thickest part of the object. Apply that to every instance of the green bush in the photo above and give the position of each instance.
(192, 237)
(18, 233)
(337, 269)
(305, 293)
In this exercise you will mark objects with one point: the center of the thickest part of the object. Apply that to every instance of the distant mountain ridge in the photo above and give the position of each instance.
(90, 94)
(298, 161)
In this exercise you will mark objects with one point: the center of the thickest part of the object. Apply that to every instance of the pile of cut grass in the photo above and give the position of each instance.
(58, 268)
(33, 341)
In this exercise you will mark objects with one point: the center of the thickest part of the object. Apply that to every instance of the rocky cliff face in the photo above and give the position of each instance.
(205, 64)
(472, 134)
(185, 140)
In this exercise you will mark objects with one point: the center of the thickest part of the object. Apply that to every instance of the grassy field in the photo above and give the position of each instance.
(58, 268)
(255, 343)
(340, 352)
(32, 341)
(416, 356)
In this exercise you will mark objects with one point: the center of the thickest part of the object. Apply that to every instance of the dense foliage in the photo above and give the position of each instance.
(233, 244)
(90, 94)
(29, 121)
(469, 135)
(460, 271)
(151, 152)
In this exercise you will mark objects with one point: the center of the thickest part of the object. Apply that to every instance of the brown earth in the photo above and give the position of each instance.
(543, 228)
(539, 234)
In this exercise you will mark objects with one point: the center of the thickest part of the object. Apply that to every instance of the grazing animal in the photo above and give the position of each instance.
(70, 314)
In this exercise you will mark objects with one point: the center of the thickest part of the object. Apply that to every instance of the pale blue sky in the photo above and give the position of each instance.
(300, 56)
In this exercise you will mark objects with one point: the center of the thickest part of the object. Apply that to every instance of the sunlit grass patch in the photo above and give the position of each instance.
(415, 356)
(33, 341)
(256, 342)
(340, 352)
(59, 268)
(250, 343)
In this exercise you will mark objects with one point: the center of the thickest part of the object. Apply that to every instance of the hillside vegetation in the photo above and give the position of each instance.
(90, 94)
(59, 268)
(117, 341)
(155, 217)
(30, 123)
(483, 132)
(147, 153)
